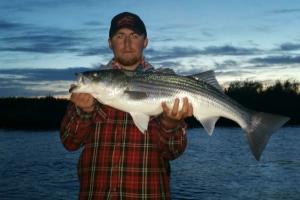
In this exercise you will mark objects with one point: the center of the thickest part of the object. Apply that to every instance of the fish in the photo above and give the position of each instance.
(141, 95)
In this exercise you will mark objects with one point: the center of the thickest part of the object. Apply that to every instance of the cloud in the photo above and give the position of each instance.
(33, 5)
(31, 89)
(172, 27)
(285, 11)
(231, 73)
(42, 43)
(37, 82)
(8, 26)
(41, 74)
(271, 60)
(289, 47)
(96, 51)
(175, 52)
(29, 38)
(226, 64)
(20, 37)
(182, 52)
(166, 64)
(229, 50)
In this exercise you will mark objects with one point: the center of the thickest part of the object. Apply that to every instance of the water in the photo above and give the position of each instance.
(36, 166)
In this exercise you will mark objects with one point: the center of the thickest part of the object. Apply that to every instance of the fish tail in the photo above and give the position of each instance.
(260, 128)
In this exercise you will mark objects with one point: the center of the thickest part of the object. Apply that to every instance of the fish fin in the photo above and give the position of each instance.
(260, 129)
(208, 121)
(164, 71)
(140, 120)
(137, 95)
(208, 77)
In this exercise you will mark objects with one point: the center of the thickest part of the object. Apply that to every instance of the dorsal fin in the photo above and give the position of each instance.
(164, 70)
(209, 78)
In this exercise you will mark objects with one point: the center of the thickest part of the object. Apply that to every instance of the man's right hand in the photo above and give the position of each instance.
(84, 101)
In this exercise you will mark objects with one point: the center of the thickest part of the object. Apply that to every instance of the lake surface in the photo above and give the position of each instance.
(36, 166)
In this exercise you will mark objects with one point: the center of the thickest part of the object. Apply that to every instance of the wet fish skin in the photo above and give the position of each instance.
(141, 95)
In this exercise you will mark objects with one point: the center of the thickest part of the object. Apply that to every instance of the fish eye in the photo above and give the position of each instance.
(95, 75)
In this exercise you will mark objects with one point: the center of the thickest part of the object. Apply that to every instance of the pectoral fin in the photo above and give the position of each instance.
(141, 121)
(137, 95)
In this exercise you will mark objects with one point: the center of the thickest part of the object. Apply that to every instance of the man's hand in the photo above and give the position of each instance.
(172, 117)
(84, 101)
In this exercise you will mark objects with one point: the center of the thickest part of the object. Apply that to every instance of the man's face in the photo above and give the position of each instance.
(128, 48)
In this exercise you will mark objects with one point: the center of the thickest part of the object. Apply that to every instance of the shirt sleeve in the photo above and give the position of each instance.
(76, 126)
(172, 142)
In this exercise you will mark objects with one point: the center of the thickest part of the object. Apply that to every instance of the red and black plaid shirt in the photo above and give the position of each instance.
(117, 160)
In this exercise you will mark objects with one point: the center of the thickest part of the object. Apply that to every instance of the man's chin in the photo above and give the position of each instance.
(129, 62)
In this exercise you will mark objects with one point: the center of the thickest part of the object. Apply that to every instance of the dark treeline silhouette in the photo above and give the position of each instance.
(46, 113)
(31, 113)
(280, 98)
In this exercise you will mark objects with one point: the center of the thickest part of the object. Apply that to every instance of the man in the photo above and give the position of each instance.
(118, 161)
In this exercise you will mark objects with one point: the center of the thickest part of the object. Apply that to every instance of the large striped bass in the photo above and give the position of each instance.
(141, 95)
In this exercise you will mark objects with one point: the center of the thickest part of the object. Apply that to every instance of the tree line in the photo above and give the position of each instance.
(281, 98)
(46, 113)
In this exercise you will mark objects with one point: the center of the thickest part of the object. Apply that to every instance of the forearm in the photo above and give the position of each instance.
(75, 127)
(172, 141)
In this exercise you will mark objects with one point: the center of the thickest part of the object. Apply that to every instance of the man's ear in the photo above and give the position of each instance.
(109, 43)
(145, 42)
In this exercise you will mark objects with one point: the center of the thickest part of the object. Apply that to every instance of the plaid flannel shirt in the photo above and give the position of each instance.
(117, 160)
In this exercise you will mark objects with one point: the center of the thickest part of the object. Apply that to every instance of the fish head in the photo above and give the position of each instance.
(102, 84)
(84, 84)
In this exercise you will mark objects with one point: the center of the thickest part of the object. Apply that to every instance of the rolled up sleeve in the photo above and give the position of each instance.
(77, 125)
(172, 142)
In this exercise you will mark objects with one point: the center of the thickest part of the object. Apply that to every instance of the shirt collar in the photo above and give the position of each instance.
(143, 66)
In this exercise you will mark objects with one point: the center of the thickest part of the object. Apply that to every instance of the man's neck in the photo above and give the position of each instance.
(129, 68)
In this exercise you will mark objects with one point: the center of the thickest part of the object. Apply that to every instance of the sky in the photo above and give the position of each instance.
(44, 42)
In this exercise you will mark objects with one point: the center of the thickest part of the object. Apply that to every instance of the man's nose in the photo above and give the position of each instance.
(127, 43)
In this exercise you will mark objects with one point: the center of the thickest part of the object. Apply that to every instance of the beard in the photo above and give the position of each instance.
(128, 61)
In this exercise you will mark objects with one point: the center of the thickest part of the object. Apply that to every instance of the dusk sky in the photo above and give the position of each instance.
(44, 42)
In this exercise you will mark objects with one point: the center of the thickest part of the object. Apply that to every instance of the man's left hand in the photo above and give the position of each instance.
(171, 118)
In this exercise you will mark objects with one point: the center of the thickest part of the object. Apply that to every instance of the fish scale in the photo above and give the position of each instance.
(186, 85)
(141, 95)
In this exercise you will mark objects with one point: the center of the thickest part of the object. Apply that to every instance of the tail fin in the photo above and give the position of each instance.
(260, 129)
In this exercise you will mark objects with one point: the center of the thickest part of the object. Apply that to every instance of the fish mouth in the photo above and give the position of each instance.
(83, 79)
(80, 80)
(73, 87)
